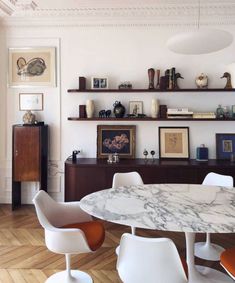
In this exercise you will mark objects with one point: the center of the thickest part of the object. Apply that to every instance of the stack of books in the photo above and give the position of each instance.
(204, 115)
(180, 113)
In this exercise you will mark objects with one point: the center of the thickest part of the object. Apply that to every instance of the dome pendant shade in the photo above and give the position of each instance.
(201, 41)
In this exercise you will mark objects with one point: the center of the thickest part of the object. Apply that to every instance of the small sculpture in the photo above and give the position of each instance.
(145, 153)
(101, 113)
(177, 76)
(152, 152)
(158, 79)
(151, 73)
(228, 77)
(202, 81)
(29, 118)
(107, 113)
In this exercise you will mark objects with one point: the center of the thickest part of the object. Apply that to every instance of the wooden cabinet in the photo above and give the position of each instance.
(29, 158)
(88, 175)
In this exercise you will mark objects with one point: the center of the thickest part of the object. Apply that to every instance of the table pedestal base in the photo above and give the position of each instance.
(201, 274)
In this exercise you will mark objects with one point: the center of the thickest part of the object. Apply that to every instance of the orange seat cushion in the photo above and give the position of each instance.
(93, 230)
(185, 266)
(227, 259)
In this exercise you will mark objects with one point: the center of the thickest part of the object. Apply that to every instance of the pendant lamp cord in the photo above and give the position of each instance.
(199, 14)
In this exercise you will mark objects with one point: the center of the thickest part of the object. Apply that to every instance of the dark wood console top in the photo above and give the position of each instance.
(148, 162)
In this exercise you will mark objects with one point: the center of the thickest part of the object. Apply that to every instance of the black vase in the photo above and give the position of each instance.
(119, 110)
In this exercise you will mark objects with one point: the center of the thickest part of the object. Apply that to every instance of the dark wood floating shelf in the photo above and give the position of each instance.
(154, 90)
(144, 119)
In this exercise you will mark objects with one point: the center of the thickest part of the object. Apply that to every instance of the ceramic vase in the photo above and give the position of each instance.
(154, 108)
(90, 108)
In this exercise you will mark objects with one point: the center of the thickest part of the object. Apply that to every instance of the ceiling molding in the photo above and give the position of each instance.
(167, 14)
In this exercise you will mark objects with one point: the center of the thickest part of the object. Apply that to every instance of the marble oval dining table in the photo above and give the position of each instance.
(185, 208)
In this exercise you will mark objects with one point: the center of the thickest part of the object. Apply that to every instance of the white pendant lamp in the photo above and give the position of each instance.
(201, 41)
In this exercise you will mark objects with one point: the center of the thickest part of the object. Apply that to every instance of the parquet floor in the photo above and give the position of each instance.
(25, 259)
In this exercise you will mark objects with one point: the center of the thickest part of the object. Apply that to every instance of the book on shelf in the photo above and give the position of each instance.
(204, 115)
(181, 116)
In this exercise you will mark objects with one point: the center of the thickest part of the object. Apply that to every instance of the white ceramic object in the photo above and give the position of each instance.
(202, 81)
(154, 108)
(90, 108)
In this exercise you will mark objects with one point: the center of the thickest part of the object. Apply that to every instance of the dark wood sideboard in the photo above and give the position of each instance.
(88, 175)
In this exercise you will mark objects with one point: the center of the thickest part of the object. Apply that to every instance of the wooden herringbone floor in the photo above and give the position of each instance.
(25, 259)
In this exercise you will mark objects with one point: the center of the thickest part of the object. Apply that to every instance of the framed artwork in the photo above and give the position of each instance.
(225, 145)
(99, 83)
(116, 139)
(32, 66)
(174, 142)
(135, 107)
(31, 101)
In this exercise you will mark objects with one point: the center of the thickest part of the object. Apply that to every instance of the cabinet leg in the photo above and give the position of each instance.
(16, 195)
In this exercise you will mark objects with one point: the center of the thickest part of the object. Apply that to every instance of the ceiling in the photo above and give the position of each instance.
(159, 12)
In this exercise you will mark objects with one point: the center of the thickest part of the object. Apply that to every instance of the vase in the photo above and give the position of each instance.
(119, 110)
(154, 108)
(90, 108)
(151, 73)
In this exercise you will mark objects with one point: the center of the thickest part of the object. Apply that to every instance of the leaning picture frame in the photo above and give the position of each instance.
(32, 67)
(135, 107)
(99, 83)
(116, 139)
(174, 143)
(225, 145)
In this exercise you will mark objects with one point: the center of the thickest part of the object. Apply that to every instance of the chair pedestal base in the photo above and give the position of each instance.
(208, 251)
(77, 277)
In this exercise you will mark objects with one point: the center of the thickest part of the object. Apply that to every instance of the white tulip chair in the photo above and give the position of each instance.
(68, 230)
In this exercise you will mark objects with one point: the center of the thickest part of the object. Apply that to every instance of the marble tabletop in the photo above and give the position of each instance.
(171, 207)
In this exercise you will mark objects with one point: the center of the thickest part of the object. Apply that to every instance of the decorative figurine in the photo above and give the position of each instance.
(202, 81)
(101, 113)
(145, 153)
(177, 76)
(29, 118)
(228, 77)
(125, 85)
(107, 113)
(151, 73)
(158, 79)
(220, 112)
(152, 152)
(119, 110)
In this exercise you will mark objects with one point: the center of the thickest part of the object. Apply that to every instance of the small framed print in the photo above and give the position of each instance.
(225, 145)
(31, 101)
(99, 83)
(174, 142)
(233, 111)
(116, 139)
(135, 108)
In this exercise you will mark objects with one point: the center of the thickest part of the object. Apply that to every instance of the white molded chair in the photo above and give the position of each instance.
(207, 250)
(150, 260)
(53, 217)
(126, 179)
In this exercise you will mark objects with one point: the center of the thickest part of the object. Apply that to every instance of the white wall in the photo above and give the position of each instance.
(121, 53)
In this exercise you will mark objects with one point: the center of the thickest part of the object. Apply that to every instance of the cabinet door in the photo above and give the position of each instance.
(26, 154)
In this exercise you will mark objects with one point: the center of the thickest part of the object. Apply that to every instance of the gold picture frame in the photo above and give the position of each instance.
(174, 143)
(116, 139)
(32, 67)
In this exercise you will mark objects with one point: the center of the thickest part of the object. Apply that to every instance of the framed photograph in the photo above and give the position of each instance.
(116, 139)
(135, 107)
(99, 83)
(174, 142)
(30, 101)
(32, 66)
(225, 145)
